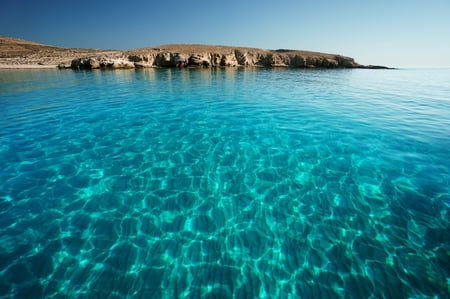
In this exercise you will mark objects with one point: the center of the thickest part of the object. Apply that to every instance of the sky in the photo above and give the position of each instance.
(396, 33)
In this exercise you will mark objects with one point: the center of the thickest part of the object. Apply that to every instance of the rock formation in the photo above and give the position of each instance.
(216, 56)
(19, 53)
(222, 56)
(16, 53)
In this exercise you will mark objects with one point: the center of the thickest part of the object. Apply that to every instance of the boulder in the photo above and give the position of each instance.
(271, 60)
(199, 60)
(122, 64)
(330, 63)
(298, 61)
(179, 60)
(76, 63)
(142, 64)
(246, 58)
(285, 60)
(105, 62)
(92, 63)
(346, 62)
(228, 60)
(241, 57)
(215, 59)
(312, 62)
(163, 60)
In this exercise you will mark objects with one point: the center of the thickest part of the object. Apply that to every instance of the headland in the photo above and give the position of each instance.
(21, 54)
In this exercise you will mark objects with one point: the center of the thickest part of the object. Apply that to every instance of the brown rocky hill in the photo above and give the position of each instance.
(18, 53)
(186, 55)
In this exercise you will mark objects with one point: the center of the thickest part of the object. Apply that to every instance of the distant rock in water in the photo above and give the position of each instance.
(17, 53)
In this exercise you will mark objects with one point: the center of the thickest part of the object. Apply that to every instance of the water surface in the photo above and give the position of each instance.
(227, 183)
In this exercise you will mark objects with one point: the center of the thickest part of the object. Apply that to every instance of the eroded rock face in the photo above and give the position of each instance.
(199, 60)
(180, 60)
(245, 58)
(229, 60)
(298, 61)
(18, 53)
(202, 56)
(234, 58)
(102, 62)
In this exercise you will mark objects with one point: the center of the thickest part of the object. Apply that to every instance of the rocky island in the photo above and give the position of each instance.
(18, 53)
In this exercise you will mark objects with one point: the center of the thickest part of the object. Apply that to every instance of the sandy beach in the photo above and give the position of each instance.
(27, 66)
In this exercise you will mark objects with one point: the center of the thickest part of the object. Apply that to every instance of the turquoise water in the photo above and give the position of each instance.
(227, 183)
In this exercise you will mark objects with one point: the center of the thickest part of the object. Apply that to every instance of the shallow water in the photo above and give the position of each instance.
(228, 183)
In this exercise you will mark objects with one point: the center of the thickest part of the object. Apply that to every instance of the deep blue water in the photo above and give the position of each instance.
(227, 183)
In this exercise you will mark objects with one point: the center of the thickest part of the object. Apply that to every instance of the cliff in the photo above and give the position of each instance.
(215, 56)
(16, 53)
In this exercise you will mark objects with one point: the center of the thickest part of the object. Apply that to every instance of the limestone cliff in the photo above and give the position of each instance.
(17, 53)
(217, 56)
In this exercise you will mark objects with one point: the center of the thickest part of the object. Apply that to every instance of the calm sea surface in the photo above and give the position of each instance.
(227, 183)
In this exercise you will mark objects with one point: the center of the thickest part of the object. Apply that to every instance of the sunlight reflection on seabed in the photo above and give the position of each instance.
(224, 183)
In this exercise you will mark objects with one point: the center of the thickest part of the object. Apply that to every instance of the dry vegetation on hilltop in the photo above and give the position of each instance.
(18, 53)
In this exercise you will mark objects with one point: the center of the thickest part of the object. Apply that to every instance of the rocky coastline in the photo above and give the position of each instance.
(182, 56)
(17, 53)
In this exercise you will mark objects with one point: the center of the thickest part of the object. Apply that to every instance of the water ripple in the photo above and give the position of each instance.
(225, 183)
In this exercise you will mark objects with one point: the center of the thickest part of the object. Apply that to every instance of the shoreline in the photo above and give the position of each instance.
(22, 54)
(27, 66)
(57, 67)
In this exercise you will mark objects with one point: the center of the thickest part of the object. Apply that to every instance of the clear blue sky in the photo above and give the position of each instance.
(386, 32)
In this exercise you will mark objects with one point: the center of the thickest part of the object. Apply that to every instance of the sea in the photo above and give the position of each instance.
(225, 183)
